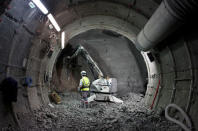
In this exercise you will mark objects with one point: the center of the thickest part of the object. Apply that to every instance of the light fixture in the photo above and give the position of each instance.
(40, 5)
(63, 40)
(31, 4)
(53, 21)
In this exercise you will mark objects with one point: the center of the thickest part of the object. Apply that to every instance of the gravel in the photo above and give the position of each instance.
(69, 115)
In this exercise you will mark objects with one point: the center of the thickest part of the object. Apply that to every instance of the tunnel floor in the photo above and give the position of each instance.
(130, 116)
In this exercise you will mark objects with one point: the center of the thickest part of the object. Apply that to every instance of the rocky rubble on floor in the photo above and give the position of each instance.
(130, 116)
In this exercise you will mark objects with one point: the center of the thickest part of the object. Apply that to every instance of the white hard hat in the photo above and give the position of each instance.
(83, 73)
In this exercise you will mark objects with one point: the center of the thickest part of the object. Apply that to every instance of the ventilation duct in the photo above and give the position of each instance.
(169, 16)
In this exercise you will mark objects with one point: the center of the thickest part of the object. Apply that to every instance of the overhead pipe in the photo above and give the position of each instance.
(169, 16)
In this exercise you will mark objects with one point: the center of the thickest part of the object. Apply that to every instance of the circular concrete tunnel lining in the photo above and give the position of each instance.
(113, 24)
(117, 26)
(115, 55)
(112, 17)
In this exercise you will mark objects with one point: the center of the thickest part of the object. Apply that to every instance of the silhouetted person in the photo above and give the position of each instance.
(9, 88)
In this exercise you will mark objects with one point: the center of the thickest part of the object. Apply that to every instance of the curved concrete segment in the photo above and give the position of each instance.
(93, 22)
(101, 22)
(22, 35)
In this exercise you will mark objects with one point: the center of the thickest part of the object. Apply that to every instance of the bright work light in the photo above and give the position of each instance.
(63, 40)
(53, 21)
(40, 6)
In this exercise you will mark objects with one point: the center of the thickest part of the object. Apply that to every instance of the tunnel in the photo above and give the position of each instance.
(150, 47)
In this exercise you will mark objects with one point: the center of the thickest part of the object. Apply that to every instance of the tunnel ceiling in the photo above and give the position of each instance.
(29, 48)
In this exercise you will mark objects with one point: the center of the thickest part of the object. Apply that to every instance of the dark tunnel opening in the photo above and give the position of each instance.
(111, 51)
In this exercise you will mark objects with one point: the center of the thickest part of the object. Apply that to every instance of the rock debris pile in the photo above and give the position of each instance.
(130, 116)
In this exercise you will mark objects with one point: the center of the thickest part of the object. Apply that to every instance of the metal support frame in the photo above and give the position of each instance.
(192, 78)
(93, 65)
(175, 76)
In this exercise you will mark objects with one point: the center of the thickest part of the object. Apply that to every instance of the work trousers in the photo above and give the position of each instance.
(84, 95)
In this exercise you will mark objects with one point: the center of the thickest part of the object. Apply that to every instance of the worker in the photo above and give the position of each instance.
(9, 89)
(84, 88)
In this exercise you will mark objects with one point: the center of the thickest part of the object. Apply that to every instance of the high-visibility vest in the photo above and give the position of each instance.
(85, 84)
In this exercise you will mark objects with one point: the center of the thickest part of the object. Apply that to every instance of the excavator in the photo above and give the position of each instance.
(102, 89)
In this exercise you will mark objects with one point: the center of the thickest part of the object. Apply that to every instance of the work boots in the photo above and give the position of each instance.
(84, 104)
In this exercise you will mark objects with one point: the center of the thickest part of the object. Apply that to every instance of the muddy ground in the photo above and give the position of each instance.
(69, 116)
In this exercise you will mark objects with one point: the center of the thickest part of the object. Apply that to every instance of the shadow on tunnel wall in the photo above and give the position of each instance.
(65, 73)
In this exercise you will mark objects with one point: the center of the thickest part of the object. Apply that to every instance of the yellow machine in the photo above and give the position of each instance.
(55, 97)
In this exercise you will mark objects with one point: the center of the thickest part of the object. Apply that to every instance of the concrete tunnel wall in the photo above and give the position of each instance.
(16, 30)
(96, 21)
(21, 53)
(175, 72)
(115, 55)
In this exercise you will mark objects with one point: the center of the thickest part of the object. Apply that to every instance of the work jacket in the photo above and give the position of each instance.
(84, 84)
